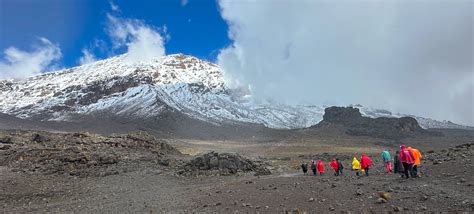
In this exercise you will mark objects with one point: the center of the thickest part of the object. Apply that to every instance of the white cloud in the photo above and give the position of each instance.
(87, 57)
(18, 64)
(184, 2)
(406, 56)
(144, 43)
(114, 7)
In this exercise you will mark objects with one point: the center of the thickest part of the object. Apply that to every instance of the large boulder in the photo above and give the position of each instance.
(214, 163)
(342, 115)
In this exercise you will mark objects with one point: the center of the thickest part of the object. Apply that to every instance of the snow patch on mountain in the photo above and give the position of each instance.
(425, 123)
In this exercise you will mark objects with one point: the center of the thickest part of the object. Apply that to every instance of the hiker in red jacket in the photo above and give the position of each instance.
(365, 163)
(320, 166)
(407, 159)
(335, 166)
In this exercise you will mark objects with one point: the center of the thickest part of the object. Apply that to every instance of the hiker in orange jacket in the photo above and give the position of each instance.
(417, 155)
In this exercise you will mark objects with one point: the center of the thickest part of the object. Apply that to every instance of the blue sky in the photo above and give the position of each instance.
(405, 56)
(192, 27)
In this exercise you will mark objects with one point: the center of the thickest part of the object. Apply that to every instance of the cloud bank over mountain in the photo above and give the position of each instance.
(404, 56)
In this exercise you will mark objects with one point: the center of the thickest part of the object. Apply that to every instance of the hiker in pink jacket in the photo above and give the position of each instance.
(407, 159)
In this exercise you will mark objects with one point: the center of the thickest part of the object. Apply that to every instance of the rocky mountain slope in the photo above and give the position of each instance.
(90, 155)
(173, 83)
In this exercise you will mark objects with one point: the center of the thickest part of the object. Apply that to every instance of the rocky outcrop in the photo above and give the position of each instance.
(86, 95)
(214, 163)
(82, 154)
(342, 115)
(382, 127)
(463, 151)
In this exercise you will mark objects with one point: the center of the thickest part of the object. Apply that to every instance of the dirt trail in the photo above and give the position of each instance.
(140, 191)
(441, 188)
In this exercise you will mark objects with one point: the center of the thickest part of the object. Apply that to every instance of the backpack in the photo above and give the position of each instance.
(304, 166)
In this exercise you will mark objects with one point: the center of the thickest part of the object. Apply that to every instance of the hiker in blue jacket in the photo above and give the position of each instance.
(387, 160)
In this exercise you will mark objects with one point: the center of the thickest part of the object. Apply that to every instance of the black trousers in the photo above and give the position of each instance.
(407, 167)
(314, 171)
(415, 170)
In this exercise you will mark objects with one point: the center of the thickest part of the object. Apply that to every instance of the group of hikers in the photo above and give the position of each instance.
(405, 162)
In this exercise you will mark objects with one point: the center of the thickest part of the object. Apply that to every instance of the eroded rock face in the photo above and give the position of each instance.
(214, 163)
(382, 127)
(343, 115)
(82, 154)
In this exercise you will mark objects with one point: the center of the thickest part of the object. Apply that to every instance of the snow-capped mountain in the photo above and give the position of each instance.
(143, 90)
(423, 121)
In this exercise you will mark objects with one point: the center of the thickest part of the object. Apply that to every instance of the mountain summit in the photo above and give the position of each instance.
(173, 83)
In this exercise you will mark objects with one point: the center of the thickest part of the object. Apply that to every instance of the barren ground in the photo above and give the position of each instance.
(445, 184)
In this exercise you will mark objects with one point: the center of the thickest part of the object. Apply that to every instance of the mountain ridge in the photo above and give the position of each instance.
(175, 82)
(356, 124)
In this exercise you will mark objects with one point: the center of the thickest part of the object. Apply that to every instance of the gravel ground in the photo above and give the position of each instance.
(149, 186)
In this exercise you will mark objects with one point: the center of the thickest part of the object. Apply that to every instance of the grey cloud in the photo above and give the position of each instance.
(405, 56)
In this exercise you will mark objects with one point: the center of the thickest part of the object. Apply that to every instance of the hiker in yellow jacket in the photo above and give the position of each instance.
(356, 165)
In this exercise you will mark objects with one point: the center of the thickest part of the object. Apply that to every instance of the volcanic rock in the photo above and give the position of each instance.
(214, 163)
(81, 154)
(355, 124)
